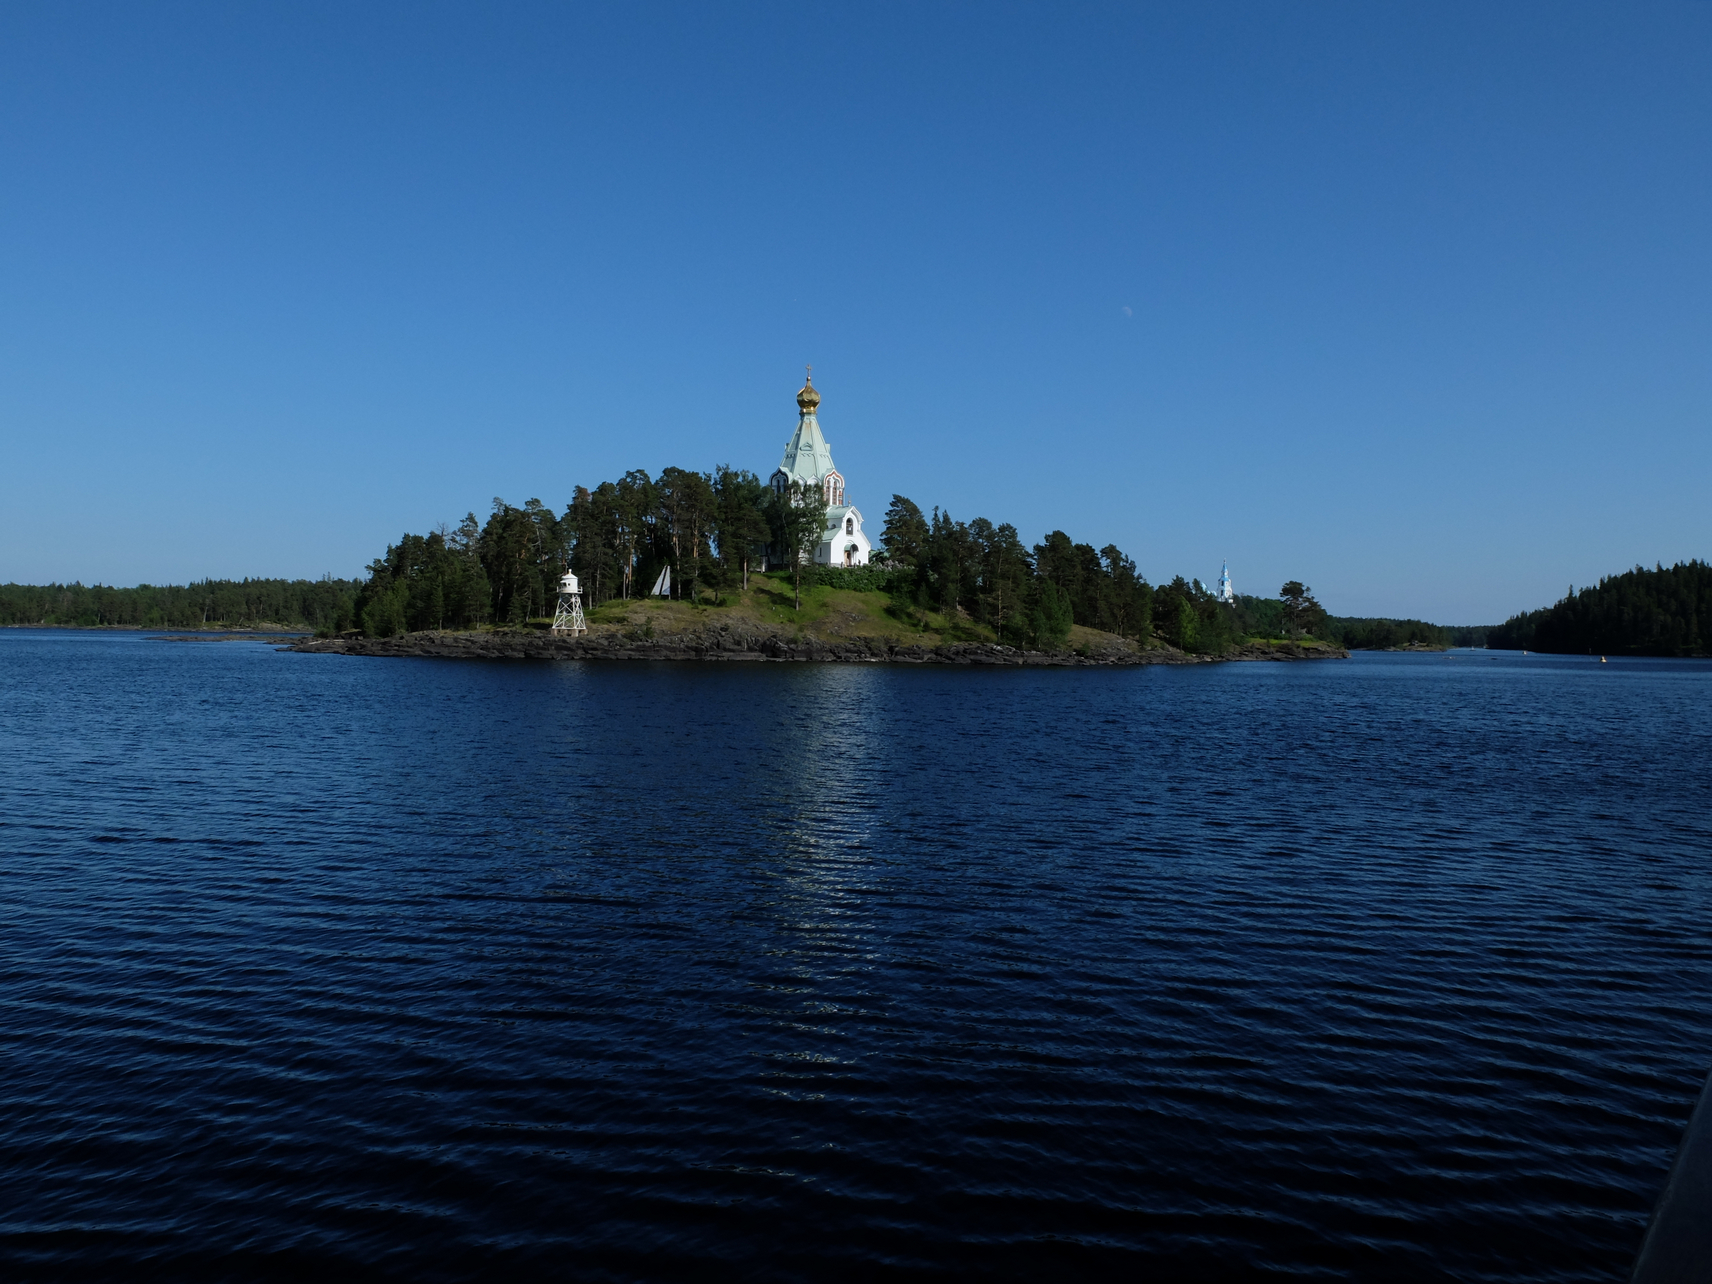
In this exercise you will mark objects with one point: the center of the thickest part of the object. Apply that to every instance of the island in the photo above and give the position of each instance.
(777, 620)
(723, 564)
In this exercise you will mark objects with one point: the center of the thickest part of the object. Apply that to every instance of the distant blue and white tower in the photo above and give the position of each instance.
(1226, 593)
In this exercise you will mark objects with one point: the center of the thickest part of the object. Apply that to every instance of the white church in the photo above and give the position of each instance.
(808, 462)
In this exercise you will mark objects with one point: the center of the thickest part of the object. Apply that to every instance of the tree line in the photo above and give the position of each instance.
(710, 530)
(1665, 611)
(317, 604)
(1027, 596)
(1032, 596)
(714, 530)
(1384, 634)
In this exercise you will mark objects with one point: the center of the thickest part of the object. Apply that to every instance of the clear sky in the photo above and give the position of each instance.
(1410, 302)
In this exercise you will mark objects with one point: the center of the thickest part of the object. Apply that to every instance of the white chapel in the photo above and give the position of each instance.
(808, 462)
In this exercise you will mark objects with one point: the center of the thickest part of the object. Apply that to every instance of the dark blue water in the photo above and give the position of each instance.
(1398, 968)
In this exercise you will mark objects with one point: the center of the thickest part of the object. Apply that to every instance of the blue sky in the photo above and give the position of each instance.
(1413, 303)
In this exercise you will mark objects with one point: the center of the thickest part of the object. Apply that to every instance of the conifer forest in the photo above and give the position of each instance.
(714, 531)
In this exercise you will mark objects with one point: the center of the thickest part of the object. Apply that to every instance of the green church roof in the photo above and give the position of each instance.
(807, 456)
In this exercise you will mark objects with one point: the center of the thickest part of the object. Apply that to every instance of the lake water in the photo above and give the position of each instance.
(1394, 968)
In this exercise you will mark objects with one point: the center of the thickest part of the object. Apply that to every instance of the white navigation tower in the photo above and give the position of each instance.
(1225, 592)
(569, 617)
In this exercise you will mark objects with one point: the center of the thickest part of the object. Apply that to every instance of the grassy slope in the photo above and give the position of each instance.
(827, 613)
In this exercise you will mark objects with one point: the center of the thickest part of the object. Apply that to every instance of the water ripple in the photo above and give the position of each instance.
(1391, 969)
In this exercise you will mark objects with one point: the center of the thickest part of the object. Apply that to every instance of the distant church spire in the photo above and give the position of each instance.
(808, 464)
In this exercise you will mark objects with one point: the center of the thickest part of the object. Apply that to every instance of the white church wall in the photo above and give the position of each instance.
(833, 554)
(846, 530)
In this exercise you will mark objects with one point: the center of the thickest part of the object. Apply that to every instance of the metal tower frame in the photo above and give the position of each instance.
(568, 618)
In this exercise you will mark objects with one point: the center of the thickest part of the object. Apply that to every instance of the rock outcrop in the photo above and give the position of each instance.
(736, 644)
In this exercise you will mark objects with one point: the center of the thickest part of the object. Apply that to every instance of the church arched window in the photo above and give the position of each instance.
(849, 525)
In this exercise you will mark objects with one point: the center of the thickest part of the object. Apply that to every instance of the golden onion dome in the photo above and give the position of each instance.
(808, 398)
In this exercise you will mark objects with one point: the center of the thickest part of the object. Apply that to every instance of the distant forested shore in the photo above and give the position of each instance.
(310, 604)
(328, 606)
(1666, 611)
(709, 530)
(1267, 617)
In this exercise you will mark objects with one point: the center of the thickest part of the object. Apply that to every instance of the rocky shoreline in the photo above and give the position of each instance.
(733, 645)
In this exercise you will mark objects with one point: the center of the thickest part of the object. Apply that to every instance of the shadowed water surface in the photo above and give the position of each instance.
(1390, 968)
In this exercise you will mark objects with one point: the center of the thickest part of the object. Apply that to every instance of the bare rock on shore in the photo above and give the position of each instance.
(739, 644)
(1288, 651)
